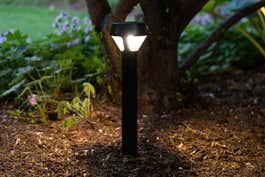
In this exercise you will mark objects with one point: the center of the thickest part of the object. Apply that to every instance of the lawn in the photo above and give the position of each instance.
(33, 21)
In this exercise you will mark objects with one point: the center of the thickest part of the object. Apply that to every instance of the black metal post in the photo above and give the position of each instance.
(129, 103)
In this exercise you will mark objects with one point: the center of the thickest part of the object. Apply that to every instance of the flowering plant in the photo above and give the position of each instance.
(65, 24)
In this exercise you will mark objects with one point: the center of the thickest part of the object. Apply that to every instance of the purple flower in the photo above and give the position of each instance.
(63, 28)
(87, 39)
(87, 21)
(75, 23)
(88, 30)
(2, 39)
(59, 18)
(64, 14)
(57, 21)
(203, 19)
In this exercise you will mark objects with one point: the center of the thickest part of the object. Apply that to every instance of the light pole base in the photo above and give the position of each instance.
(129, 103)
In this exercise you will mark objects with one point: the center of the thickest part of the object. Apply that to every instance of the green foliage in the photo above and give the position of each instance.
(212, 5)
(16, 113)
(226, 6)
(77, 107)
(234, 46)
(69, 122)
(254, 23)
(110, 92)
(220, 56)
(113, 3)
(59, 62)
(39, 72)
(235, 5)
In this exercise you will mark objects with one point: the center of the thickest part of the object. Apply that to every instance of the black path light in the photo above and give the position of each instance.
(129, 37)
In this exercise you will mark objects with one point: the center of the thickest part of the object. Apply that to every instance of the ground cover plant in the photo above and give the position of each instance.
(233, 48)
(59, 62)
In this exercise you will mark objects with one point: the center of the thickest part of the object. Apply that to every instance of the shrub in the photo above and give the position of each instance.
(58, 61)
(221, 55)
(39, 72)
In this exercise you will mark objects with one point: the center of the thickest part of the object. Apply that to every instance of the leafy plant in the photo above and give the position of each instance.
(69, 122)
(77, 107)
(220, 56)
(254, 23)
(16, 113)
(60, 61)
(43, 70)
(257, 25)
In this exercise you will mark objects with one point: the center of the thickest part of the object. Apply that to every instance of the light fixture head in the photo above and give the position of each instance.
(125, 28)
(129, 35)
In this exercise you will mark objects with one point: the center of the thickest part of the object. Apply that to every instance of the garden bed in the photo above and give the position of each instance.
(221, 135)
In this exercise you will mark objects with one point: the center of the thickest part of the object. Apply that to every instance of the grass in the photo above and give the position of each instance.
(33, 21)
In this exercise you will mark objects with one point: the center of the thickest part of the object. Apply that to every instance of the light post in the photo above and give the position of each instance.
(129, 37)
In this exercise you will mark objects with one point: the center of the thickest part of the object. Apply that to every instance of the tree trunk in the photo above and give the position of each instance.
(157, 76)
(114, 71)
(157, 60)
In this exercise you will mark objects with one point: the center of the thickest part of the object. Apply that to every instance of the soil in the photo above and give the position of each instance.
(223, 134)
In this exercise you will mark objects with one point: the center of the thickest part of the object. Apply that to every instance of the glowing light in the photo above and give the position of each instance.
(135, 42)
(119, 42)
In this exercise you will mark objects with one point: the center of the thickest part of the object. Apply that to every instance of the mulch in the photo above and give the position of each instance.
(223, 134)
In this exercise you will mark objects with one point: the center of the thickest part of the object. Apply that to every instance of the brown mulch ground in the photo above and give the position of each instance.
(223, 135)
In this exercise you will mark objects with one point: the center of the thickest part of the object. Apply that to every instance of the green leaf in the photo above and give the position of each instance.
(16, 113)
(76, 104)
(69, 122)
(110, 92)
(13, 89)
(89, 90)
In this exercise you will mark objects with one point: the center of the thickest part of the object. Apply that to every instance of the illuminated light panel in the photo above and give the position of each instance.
(119, 42)
(135, 42)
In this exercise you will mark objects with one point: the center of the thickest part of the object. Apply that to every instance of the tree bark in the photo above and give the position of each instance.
(157, 60)
(102, 18)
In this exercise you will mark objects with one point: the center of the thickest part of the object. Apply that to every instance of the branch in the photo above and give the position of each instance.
(123, 8)
(98, 9)
(188, 10)
(217, 34)
(101, 15)
(153, 15)
(120, 13)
